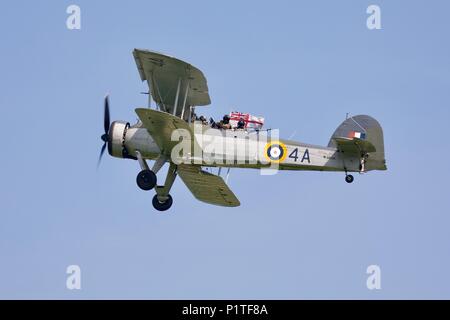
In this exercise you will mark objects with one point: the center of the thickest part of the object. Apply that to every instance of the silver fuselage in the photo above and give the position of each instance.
(234, 148)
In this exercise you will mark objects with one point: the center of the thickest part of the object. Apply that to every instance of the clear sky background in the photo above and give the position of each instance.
(302, 65)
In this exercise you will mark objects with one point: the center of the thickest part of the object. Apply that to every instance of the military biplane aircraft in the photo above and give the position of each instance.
(177, 88)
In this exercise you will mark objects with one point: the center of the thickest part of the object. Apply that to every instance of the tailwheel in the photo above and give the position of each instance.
(162, 206)
(349, 178)
(146, 180)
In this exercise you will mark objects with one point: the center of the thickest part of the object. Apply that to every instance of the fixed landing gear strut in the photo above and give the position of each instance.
(162, 200)
(146, 180)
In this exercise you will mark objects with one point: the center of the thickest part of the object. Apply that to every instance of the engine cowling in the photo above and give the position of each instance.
(116, 142)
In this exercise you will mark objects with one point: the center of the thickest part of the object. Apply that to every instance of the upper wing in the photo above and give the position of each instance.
(207, 187)
(160, 125)
(354, 145)
(163, 74)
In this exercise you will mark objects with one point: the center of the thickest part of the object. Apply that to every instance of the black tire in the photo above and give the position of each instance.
(146, 180)
(162, 206)
(349, 178)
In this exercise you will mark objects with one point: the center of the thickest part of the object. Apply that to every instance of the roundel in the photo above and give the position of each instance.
(275, 151)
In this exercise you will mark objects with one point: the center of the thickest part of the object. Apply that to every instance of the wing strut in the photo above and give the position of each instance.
(175, 105)
(159, 94)
(185, 99)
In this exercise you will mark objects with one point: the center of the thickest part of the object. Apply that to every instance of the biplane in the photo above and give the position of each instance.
(170, 133)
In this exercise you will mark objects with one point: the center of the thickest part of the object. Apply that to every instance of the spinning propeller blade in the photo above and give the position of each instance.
(106, 124)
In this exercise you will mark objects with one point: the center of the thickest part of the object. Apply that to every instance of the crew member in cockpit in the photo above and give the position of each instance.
(225, 122)
(241, 124)
(203, 120)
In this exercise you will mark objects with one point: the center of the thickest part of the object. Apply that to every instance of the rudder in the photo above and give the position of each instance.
(366, 128)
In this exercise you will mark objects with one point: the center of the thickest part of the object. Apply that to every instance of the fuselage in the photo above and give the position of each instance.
(233, 148)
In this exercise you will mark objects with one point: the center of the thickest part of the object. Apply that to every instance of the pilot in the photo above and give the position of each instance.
(241, 124)
(203, 120)
(225, 122)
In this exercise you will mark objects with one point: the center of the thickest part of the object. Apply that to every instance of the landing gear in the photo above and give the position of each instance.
(146, 179)
(162, 206)
(162, 201)
(349, 178)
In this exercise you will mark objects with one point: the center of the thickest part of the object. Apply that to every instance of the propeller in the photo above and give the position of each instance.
(106, 124)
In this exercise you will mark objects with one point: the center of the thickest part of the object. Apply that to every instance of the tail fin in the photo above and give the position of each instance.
(366, 128)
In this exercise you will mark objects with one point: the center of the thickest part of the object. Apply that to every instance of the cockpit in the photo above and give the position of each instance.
(232, 121)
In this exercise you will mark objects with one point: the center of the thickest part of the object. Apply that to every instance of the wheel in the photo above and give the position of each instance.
(146, 180)
(349, 178)
(162, 206)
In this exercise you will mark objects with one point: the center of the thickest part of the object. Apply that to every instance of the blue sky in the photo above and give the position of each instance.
(302, 65)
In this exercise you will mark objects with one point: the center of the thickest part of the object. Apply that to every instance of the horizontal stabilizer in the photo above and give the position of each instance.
(354, 145)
